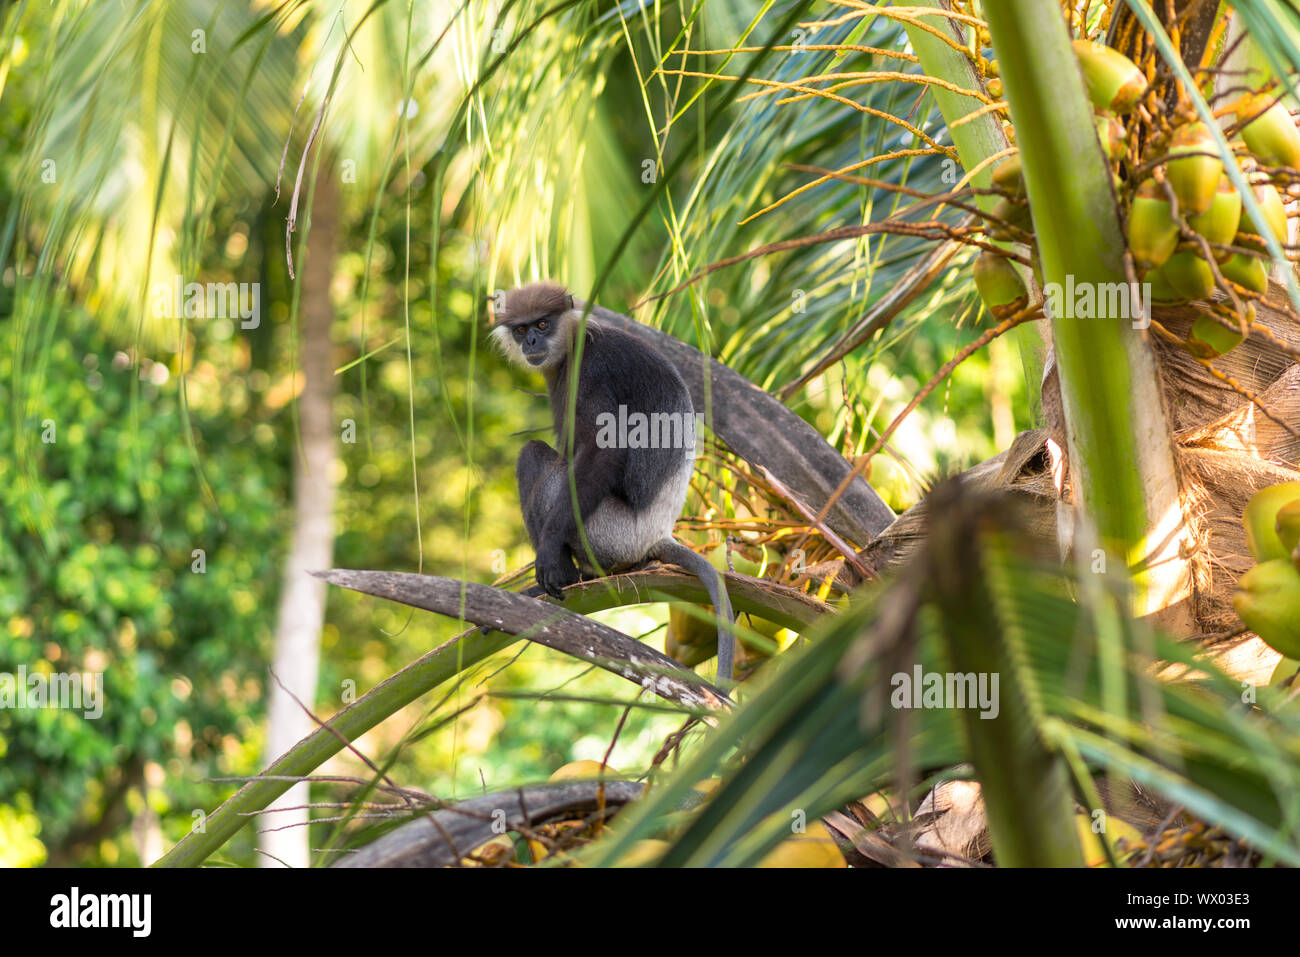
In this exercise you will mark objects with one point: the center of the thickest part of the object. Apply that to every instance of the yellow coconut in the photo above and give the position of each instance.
(578, 770)
(1194, 168)
(813, 848)
(1272, 136)
(1007, 215)
(1260, 520)
(1284, 671)
(691, 638)
(1274, 213)
(644, 853)
(1268, 600)
(999, 283)
(1209, 339)
(1219, 223)
(1189, 275)
(1246, 271)
(1111, 134)
(1159, 287)
(1152, 232)
(1287, 526)
(1120, 835)
(1007, 175)
(1114, 82)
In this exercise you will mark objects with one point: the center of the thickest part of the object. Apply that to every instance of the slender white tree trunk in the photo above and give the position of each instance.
(302, 599)
(146, 832)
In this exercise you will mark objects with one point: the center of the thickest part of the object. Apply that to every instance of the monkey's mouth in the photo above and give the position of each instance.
(535, 358)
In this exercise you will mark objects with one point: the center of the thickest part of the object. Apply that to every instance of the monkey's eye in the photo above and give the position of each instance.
(519, 331)
(542, 323)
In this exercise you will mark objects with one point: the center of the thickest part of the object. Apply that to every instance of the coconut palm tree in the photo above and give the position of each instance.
(846, 196)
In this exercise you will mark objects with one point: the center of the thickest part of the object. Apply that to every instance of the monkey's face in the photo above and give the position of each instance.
(533, 327)
(535, 339)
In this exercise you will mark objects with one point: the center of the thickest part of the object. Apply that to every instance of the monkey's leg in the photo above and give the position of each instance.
(535, 472)
(544, 490)
(543, 485)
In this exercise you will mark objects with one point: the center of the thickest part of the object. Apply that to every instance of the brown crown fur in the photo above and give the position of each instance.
(533, 301)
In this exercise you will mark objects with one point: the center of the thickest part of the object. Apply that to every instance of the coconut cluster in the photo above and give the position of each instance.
(1268, 596)
(1188, 233)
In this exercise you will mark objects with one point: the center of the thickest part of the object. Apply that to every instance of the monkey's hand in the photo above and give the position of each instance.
(555, 570)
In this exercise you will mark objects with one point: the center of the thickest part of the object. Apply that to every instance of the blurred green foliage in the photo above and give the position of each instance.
(100, 558)
(98, 530)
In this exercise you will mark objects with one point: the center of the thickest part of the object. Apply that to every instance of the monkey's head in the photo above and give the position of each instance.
(533, 327)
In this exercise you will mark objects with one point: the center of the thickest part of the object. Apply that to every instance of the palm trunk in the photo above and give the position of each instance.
(1125, 484)
(1126, 488)
(302, 601)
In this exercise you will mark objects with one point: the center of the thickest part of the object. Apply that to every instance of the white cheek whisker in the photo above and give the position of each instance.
(558, 346)
(506, 345)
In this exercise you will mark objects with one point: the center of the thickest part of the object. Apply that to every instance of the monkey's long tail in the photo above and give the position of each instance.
(671, 551)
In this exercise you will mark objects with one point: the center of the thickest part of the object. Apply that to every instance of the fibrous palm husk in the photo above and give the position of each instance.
(1228, 448)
